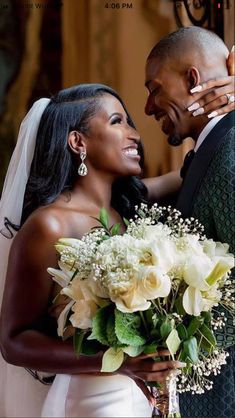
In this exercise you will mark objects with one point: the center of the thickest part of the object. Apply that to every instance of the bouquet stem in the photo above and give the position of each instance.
(167, 400)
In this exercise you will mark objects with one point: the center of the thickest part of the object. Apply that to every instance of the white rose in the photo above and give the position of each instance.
(164, 254)
(123, 291)
(153, 283)
(130, 301)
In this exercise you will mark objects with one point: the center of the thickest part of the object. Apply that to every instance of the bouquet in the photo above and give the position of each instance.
(161, 284)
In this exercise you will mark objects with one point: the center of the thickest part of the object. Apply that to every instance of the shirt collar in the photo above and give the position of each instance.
(206, 130)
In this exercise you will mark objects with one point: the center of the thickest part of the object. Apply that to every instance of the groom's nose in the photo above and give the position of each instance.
(150, 105)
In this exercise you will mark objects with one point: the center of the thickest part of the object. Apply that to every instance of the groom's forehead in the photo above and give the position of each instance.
(156, 69)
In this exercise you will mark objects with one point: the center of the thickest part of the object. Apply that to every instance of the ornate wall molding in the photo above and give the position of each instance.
(198, 12)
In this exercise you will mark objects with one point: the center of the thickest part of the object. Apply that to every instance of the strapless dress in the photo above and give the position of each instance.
(95, 396)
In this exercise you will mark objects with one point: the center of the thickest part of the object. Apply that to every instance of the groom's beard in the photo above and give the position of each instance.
(175, 140)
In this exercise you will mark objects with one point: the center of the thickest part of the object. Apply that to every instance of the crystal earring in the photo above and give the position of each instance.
(82, 169)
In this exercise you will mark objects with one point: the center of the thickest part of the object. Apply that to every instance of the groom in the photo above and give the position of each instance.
(178, 63)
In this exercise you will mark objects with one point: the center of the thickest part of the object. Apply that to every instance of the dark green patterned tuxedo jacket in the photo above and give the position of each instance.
(208, 194)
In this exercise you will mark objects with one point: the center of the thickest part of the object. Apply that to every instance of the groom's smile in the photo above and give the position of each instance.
(167, 97)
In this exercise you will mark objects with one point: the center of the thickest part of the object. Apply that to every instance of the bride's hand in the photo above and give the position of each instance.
(144, 369)
(216, 96)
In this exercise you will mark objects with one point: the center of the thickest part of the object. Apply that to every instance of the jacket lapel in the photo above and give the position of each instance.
(200, 163)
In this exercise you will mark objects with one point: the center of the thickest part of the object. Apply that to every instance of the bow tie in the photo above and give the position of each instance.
(187, 161)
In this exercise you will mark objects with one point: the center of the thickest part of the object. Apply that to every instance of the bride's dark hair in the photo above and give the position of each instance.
(54, 168)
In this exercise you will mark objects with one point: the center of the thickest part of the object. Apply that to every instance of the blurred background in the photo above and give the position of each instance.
(47, 45)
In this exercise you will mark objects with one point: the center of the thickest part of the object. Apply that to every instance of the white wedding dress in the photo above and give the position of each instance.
(95, 396)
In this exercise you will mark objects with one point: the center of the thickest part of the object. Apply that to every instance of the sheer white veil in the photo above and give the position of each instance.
(16, 383)
(12, 199)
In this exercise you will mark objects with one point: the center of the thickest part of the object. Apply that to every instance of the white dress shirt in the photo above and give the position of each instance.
(206, 130)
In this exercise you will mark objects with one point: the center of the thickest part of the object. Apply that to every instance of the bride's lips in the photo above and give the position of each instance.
(131, 152)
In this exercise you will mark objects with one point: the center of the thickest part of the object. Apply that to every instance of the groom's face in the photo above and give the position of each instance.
(168, 99)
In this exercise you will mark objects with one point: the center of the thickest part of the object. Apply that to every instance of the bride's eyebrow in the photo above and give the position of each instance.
(117, 114)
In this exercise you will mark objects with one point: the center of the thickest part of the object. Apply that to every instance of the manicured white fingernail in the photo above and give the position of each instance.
(212, 114)
(196, 89)
(233, 48)
(194, 106)
(199, 111)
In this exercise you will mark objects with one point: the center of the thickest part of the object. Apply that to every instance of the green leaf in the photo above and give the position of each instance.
(112, 360)
(99, 326)
(128, 328)
(115, 230)
(182, 331)
(78, 340)
(126, 222)
(207, 317)
(110, 330)
(190, 350)
(194, 324)
(207, 338)
(104, 218)
(133, 351)
(151, 318)
(179, 306)
(150, 348)
(90, 348)
(141, 213)
(173, 342)
(166, 327)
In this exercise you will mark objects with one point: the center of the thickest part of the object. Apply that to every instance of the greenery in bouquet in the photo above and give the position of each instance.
(161, 284)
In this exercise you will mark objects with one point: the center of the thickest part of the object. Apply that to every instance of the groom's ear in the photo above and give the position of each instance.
(193, 77)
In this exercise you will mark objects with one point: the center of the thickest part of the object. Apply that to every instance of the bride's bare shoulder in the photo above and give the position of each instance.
(54, 221)
(44, 221)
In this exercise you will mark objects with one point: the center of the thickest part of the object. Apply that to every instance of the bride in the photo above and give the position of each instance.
(87, 155)
(77, 152)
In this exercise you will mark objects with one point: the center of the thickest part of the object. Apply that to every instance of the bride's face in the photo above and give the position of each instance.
(112, 144)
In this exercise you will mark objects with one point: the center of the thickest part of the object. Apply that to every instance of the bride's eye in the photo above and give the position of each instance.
(116, 119)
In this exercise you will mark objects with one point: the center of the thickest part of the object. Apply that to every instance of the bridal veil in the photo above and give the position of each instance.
(20, 394)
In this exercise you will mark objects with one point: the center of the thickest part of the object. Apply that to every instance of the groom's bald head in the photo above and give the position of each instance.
(193, 46)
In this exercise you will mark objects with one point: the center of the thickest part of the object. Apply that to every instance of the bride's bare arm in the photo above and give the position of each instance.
(27, 338)
(163, 186)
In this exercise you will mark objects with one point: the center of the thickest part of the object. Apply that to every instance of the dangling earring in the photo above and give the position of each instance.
(82, 169)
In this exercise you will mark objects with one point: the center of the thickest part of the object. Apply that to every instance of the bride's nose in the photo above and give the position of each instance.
(133, 134)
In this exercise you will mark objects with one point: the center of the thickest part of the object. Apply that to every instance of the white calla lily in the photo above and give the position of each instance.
(192, 301)
(196, 270)
(61, 321)
(220, 269)
(62, 277)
